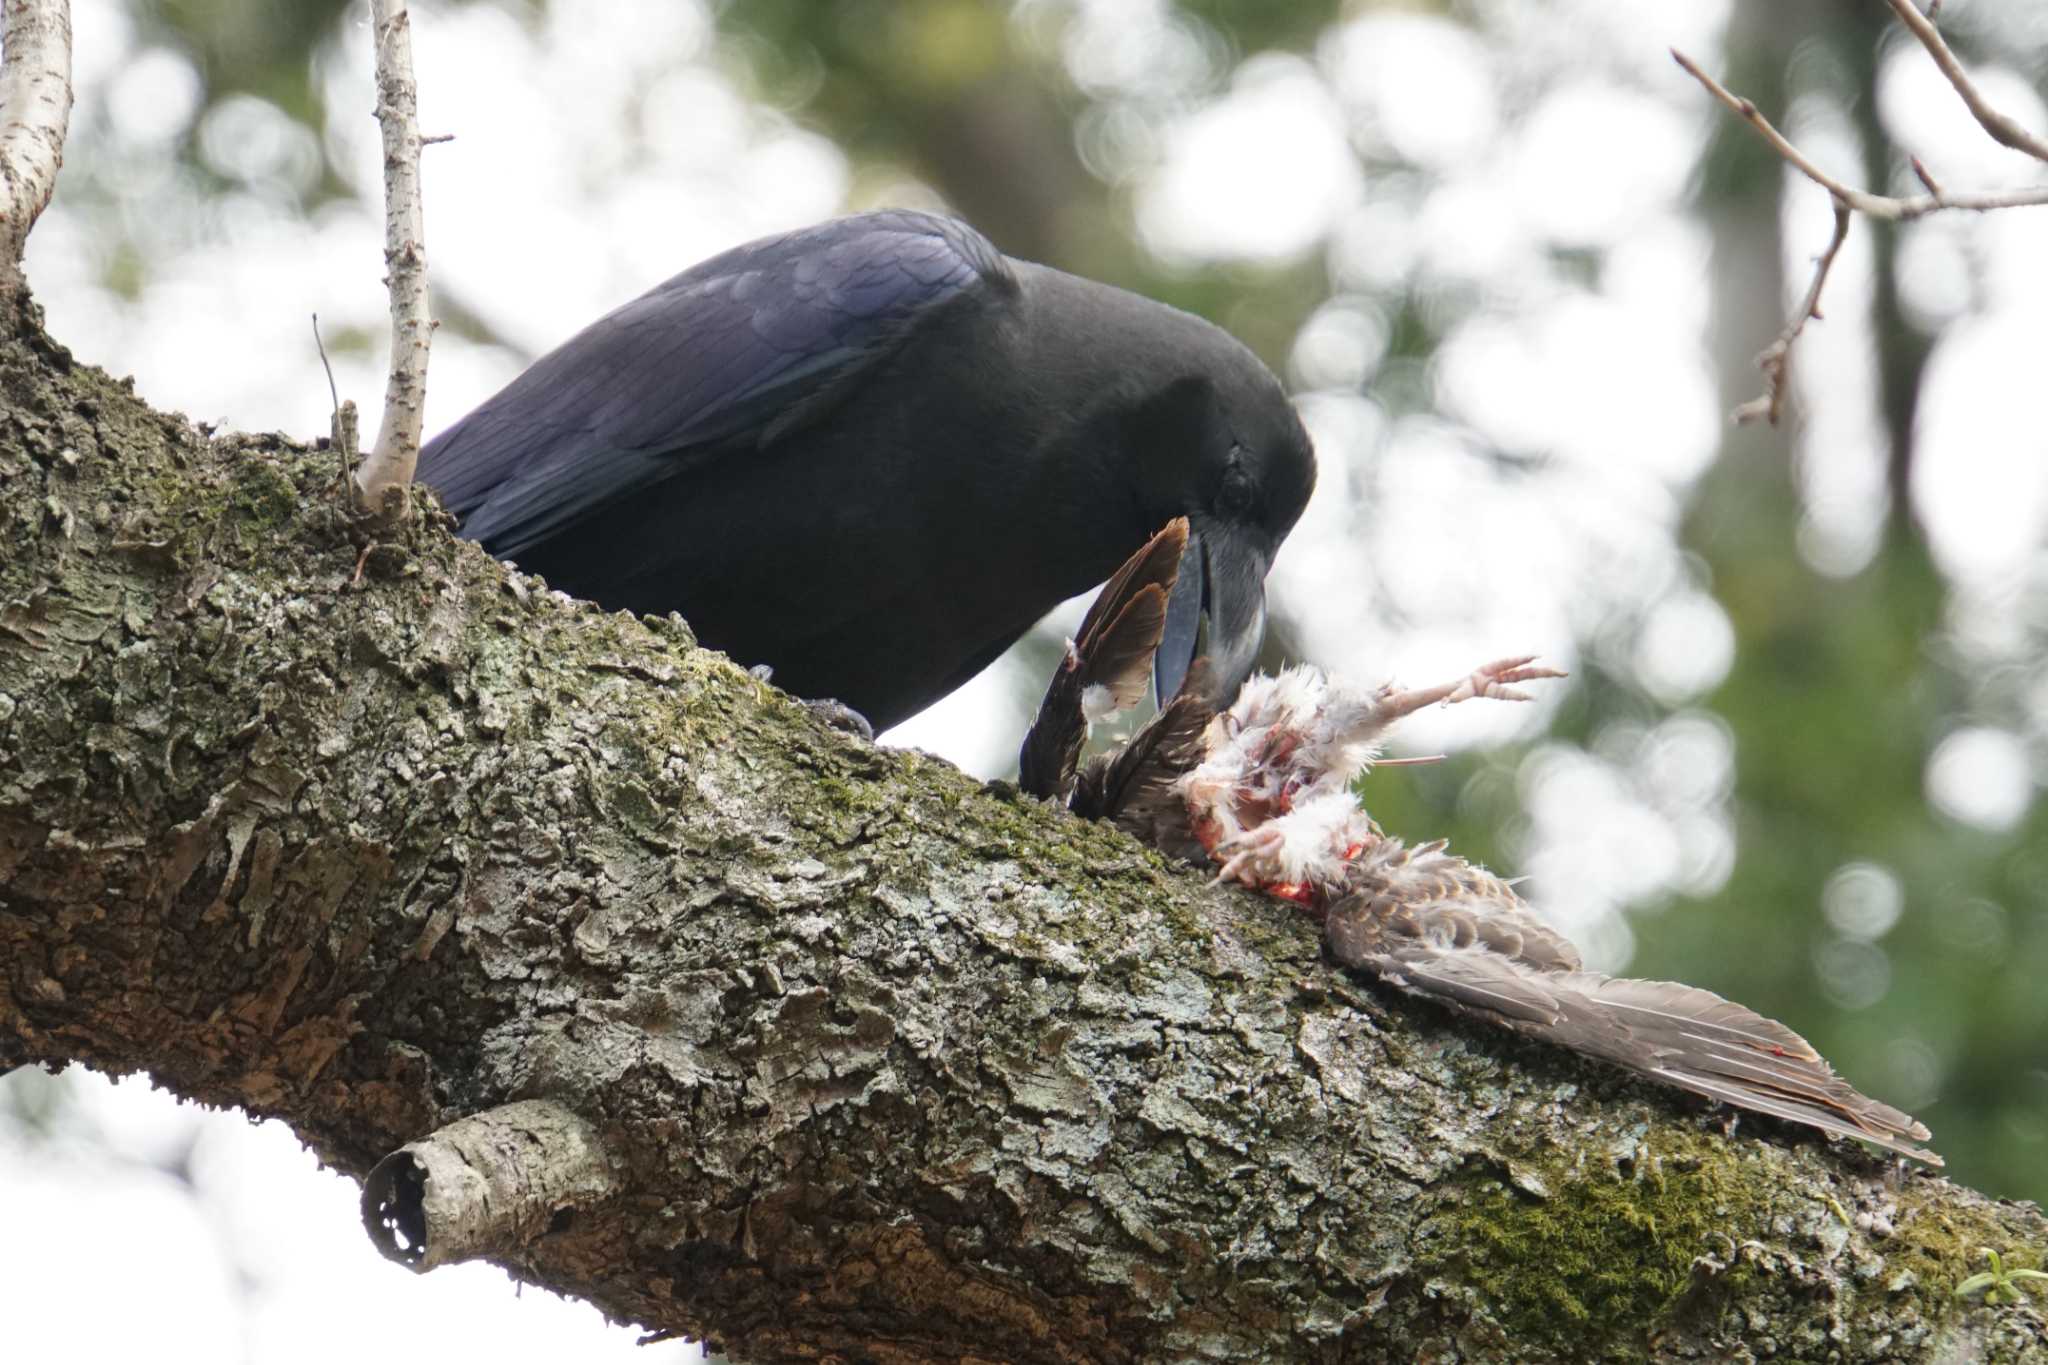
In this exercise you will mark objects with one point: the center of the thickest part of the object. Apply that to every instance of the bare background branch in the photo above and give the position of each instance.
(1775, 359)
(35, 113)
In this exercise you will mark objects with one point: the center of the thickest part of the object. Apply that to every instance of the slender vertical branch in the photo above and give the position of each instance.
(387, 470)
(35, 113)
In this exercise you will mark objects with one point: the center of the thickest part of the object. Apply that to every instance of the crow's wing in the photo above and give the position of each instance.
(731, 353)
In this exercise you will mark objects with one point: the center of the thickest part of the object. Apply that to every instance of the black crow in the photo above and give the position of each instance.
(872, 453)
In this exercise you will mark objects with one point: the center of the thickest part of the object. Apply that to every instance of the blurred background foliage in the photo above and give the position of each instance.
(1517, 267)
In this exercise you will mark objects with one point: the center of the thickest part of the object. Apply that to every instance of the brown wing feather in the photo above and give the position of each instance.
(1112, 650)
(1134, 786)
(1427, 894)
(1157, 564)
(1118, 658)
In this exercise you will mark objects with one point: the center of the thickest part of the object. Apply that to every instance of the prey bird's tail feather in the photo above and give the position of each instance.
(1107, 665)
(1680, 1035)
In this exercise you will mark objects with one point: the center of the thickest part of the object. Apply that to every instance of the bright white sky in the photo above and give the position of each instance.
(1412, 150)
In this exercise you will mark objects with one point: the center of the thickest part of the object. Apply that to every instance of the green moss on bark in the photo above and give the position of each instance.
(1574, 1255)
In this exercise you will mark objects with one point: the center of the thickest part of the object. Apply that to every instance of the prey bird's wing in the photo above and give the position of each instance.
(1138, 786)
(1107, 666)
(1468, 955)
(724, 357)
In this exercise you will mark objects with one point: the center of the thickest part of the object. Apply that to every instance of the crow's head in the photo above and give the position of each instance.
(1220, 445)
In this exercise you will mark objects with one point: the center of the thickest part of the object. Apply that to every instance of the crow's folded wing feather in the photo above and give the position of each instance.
(730, 354)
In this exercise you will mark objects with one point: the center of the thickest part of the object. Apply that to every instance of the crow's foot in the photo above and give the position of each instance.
(836, 714)
(842, 717)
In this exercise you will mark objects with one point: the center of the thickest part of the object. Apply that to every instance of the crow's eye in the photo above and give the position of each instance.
(1237, 494)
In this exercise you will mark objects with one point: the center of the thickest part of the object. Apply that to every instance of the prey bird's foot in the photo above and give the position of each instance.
(1494, 679)
(842, 717)
(1250, 858)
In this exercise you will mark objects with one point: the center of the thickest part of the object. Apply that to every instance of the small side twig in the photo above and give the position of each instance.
(1776, 358)
(341, 425)
(35, 115)
(333, 392)
(387, 471)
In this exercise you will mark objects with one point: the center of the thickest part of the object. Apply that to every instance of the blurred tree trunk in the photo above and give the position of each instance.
(885, 1065)
(1830, 699)
(1740, 199)
(1902, 349)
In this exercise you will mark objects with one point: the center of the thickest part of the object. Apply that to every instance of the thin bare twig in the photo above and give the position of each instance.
(1887, 207)
(1782, 145)
(341, 423)
(35, 115)
(2004, 129)
(333, 392)
(387, 470)
(1776, 359)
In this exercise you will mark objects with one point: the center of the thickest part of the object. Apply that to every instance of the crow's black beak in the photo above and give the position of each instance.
(1218, 609)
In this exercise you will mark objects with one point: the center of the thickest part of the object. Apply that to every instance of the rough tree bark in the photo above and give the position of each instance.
(855, 1058)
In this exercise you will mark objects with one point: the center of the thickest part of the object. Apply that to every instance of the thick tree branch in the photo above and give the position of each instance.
(387, 470)
(35, 113)
(857, 1057)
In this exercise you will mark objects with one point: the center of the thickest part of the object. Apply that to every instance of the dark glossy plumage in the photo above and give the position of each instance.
(873, 452)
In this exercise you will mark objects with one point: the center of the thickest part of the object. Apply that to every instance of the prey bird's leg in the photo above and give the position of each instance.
(1492, 680)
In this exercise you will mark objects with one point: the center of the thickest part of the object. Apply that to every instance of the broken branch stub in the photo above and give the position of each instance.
(486, 1184)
